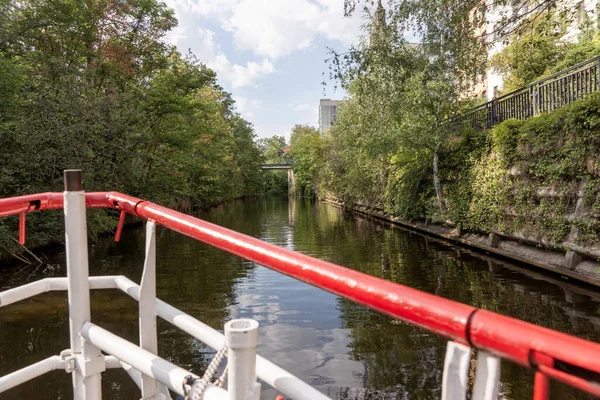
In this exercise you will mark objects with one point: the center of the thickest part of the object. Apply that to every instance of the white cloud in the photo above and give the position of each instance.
(176, 35)
(335, 26)
(266, 129)
(276, 28)
(209, 52)
(205, 8)
(239, 75)
(247, 107)
(206, 46)
(308, 109)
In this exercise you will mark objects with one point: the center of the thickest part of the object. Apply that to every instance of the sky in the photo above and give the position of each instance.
(269, 54)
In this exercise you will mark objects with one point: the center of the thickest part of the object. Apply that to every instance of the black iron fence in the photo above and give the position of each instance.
(543, 96)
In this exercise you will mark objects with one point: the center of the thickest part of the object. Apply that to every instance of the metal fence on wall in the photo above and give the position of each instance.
(543, 96)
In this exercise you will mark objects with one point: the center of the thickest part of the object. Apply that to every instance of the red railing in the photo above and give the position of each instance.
(552, 354)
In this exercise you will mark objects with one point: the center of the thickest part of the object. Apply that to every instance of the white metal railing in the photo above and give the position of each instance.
(268, 372)
(545, 95)
(154, 375)
(492, 335)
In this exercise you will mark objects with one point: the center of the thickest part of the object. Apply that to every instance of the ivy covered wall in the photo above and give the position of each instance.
(536, 179)
(539, 178)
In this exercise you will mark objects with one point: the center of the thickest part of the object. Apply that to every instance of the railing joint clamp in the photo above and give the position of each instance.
(91, 367)
(68, 360)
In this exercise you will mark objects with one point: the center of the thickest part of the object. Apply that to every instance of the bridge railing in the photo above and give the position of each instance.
(545, 95)
(551, 354)
(277, 166)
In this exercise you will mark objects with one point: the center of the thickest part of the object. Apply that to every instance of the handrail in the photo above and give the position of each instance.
(544, 95)
(529, 345)
(144, 361)
(542, 81)
(566, 71)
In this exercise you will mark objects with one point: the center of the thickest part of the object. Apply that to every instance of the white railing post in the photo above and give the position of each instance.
(147, 309)
(30, 372)
(268, 372)
(241, 337)
(455, 380)
(89, 360)
(487, 377)
(146, 363)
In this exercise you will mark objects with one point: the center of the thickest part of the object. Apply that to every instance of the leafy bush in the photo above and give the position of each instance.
(122, 105)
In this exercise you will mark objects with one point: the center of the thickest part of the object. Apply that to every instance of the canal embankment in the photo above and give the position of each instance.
(526, 189)
(566, 259)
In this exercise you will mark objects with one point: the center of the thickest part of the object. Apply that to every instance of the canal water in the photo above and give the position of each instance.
(343, 349)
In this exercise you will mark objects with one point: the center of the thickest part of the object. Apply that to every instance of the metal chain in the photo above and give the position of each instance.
(203, 382)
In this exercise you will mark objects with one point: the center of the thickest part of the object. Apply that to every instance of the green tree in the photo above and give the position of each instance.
(92, 84)
(247, 154)
(308, 157)
(455, 28)
(272, 149)
(542, 49)
(401, 94)
(527, 58)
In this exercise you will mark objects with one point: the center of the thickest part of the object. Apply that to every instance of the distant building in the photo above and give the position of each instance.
(328, 112)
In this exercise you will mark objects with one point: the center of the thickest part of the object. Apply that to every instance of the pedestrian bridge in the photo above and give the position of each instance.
(276, 166)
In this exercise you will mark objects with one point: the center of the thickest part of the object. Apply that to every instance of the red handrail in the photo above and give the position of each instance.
(563, 357)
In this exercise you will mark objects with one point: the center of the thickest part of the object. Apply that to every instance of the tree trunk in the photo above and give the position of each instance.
(436, 179)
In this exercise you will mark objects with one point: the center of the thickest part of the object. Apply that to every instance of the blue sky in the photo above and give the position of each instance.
(270, 54)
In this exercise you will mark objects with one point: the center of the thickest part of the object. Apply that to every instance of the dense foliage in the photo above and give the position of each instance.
(528, 175)
(456, 32)
(521, 178)
(392, 150)
(307, 151)
(546, 48)
(93, 85)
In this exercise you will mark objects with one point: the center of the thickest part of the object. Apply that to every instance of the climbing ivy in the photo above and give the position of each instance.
(521, 177)
(526, 176)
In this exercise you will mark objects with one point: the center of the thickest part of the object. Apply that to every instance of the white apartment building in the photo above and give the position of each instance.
(492, 83)
(328, 111)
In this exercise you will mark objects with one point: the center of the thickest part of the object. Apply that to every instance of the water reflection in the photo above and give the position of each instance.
(345, 350)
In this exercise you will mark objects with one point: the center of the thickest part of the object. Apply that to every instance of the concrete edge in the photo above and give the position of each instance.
(586, 270)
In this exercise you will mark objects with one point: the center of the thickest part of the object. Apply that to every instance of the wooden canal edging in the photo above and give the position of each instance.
(583, 267)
